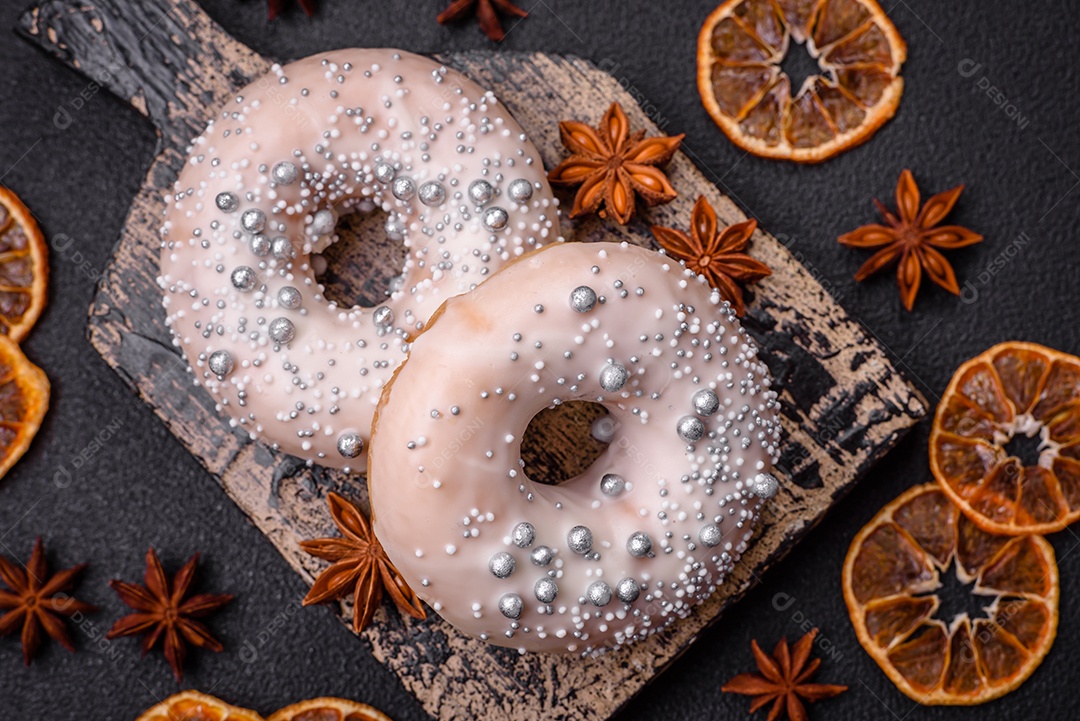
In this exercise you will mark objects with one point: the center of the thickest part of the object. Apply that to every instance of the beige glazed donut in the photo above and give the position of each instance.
(652, 527)
(262, 191)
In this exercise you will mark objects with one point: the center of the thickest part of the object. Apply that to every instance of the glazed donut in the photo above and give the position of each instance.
(652, 527)
(262, 190)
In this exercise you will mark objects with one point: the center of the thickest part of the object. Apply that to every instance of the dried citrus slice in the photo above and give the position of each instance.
(328, 709)
(24, 398)
(890, 577)
(24, 267)
(195, 706)
(858, 51)
(1011, 396)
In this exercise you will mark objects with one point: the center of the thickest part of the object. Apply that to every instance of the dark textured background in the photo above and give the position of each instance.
(132, 485)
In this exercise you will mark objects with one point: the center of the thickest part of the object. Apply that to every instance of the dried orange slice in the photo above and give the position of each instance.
(858, 51)
(24, 398)
(24, 267)
(892, 571)
(195, 706)
(328, 709)
(1005, 445)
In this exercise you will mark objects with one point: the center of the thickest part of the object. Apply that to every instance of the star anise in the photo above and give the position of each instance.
(715, 254)
(37, 602)
(360, 565)
(276, 7)
(784, 680)
(485, 13)
(163, 609)
(611, 165)
(913, 236)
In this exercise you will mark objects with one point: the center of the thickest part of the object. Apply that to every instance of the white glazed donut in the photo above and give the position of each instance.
(262, 190)
(652, 527)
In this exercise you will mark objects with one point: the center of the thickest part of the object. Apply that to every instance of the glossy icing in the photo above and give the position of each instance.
(446, 480)
(262, 190)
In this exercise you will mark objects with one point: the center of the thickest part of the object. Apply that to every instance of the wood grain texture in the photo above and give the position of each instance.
(844, 403)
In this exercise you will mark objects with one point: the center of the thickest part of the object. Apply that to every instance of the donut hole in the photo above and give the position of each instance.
(359, 269)
(559, 443)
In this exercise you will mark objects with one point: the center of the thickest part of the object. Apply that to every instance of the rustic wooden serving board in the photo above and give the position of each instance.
(844, 403)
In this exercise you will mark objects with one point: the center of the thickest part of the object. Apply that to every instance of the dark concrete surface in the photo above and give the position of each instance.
(990, 101)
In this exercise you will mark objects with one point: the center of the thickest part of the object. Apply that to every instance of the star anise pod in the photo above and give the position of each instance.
(914, 237)
(783, 680)
(37, 602)
(485, 12)
(163, 609)
(276, 7)
(611, 165)
(716, 254)
(359, 565)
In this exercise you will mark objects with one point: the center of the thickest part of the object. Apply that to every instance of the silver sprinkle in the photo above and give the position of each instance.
(501, 564)
(765, 485)
(480, 192)
(282, 248)
(546, 590)
(253, 221)
(612, 484)
(323, 222)
(510, 605)
(691, 429)
(603, 428)
(496, 218)
(627, 590)
(227, 202)
(384, 172)
(639, 544)
(404, 188)
(710, 535)
(523, 535)
(221, 363)
(432, 194)
(395, 229)
(350, 445)
(579, 539)
(706, 402)
(290, 298)
(282, 330)
(542, 556)
(260, 246)
(244, 278)
(598, 593)
(613, 377)
(284, 173)
(383, 316)
(583, 299)
(520, 190)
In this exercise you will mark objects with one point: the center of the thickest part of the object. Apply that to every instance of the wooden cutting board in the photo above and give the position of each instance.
(844, 403)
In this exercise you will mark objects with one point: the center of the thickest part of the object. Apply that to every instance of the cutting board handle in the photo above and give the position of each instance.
(166, 57)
